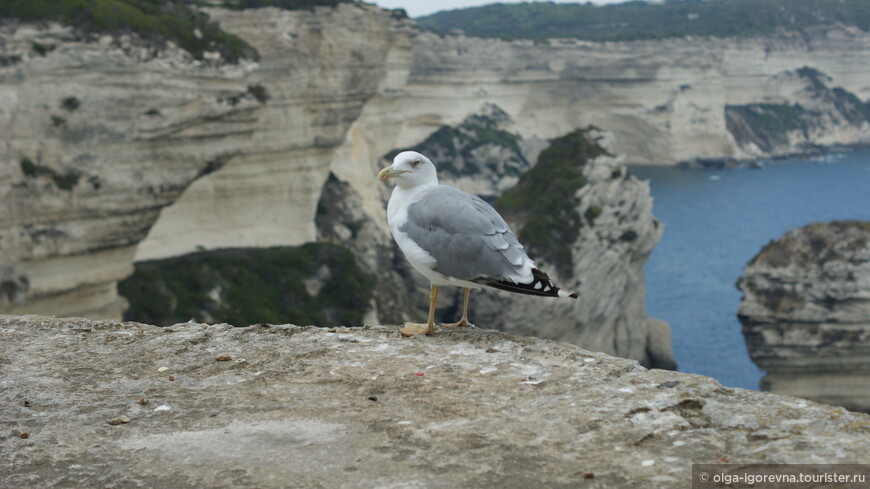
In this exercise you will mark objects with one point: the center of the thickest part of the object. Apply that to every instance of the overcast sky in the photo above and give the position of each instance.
(417, 8)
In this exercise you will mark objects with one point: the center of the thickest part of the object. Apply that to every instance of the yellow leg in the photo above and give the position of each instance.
(412, 329)
(464, 320)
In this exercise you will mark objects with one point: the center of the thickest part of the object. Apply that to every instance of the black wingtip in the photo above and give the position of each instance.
(541, 285)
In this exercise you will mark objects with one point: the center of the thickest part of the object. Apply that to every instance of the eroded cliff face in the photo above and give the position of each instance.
(101, 135)
(319, 68)
(806, 313)
(98, 136)
(813, 116)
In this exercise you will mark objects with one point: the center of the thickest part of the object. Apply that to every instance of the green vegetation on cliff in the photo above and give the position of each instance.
(544, 202)
(155, 20)
(64, 181)
(316, 283)
(466, 148)
(814, 244)
(768, 125)
(647, 20)
(285, 4)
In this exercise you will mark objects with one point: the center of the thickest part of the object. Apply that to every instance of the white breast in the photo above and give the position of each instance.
(397, 214)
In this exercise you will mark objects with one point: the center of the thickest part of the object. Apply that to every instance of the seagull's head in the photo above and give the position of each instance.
(410, 169)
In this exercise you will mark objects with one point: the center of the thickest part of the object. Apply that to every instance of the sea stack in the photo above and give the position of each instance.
(806, 313)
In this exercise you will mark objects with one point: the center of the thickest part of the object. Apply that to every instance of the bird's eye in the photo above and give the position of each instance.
(415, 163)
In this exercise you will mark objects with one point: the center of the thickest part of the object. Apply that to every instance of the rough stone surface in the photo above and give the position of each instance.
(107, 404)
(806, 313)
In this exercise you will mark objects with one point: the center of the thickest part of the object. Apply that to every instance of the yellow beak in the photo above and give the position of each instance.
(388, 173)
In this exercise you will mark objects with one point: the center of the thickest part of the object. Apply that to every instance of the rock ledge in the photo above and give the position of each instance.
(109, 404)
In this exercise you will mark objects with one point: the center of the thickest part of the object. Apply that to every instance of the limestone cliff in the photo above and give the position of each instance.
(98, 136)
(94, 403)
(806, 313)
(664, 101)
(815, 115)
(102, 134)
(320, 68)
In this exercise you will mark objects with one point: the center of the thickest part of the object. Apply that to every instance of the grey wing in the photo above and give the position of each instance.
(465, 235)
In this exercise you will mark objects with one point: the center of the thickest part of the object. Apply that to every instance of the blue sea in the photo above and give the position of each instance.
(715, 222)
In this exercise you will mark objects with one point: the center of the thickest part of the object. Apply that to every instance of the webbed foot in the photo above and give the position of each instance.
(413, 329)
(461, 322)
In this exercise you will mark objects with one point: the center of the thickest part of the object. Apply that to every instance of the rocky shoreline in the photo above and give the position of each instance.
(815, 151)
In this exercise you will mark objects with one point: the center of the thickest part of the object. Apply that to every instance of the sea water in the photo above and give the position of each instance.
(715, 222)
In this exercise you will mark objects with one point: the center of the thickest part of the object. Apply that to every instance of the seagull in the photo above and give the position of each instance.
(454, 238)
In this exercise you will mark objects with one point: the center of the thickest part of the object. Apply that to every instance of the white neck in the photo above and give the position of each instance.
(417, 182)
